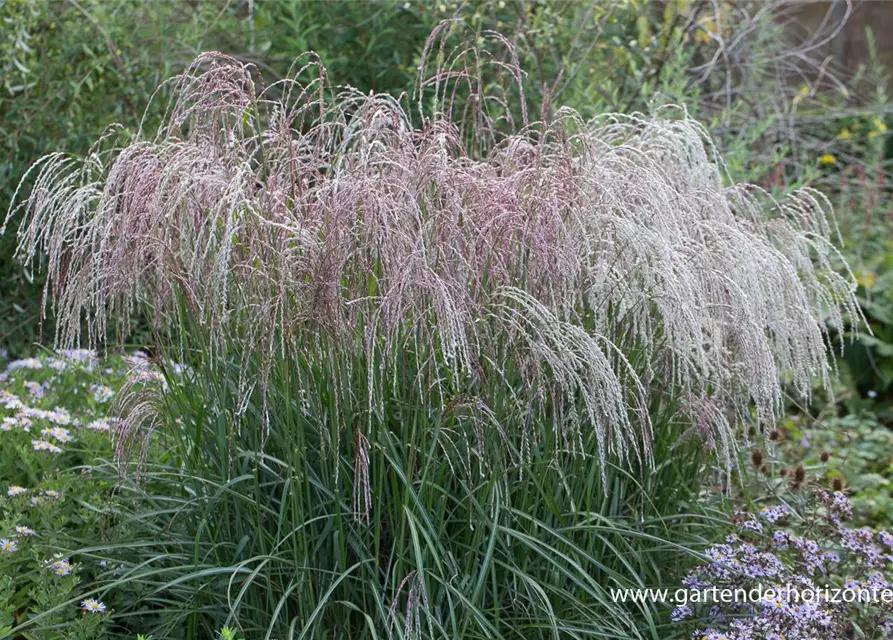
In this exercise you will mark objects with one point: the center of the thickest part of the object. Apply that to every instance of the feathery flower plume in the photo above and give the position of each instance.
(313, 222)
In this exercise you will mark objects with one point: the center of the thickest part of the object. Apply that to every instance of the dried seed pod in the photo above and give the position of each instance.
(756, 458)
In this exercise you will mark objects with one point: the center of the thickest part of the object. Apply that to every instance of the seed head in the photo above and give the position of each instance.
(756, 458)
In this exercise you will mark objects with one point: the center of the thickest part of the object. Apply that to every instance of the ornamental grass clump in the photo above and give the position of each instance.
(585, 264)
(450, 370)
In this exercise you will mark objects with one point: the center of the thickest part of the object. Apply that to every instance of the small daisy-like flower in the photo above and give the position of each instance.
(680, 613)
(886, 538)
(10, 400)
(100, 424)
(60, 434)
(93, 606)
(25, 531)
(60, 416)
(33, 412)
(827, 159)
(27, 363)
(15, 490)
(774, 514)
(36, 389)
(101, 393)
(8, 424)
(44, 445)
(52, 493)
(81, 356)
(8, 545)
(60, 567)
(36, 500)
(752, 525)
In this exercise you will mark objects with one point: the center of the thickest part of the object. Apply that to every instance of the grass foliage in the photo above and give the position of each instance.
(413, 530)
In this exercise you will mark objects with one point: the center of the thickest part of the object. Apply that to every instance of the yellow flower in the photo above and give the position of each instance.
(866, 278)
(706, 32)
(827, 159)
(845, 134)
(879, 128)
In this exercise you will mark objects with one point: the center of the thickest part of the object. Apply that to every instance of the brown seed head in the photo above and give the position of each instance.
(756, 458)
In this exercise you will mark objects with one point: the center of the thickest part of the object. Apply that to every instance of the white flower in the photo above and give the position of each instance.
(27, 363)
(10, 400)
(84, 356)
(58, 365)
(60, 567)
(44, 445)
(8, 545)
(101, 393)
(60, 416)
(60, 434)
(93, 606)
(15, 490)
(100, 424)
(35, 388)
(25, 531)
(52, 493)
